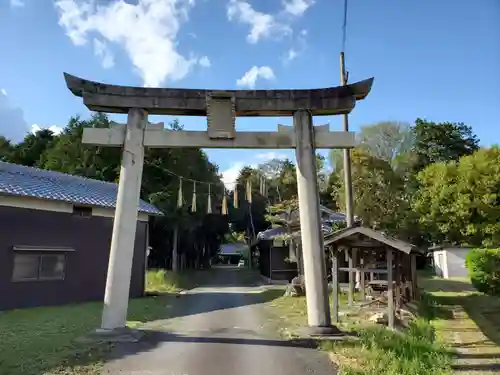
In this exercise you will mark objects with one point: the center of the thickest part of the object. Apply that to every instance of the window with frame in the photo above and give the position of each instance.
(38, 266)
(82, 211)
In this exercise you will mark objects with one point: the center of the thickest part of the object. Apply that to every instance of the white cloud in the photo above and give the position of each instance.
(16, 3)
(147, 30)
(271, 155)
(102, 51)
(291, 54)
(250, 77)
(205, 62)
(298, 49)
(12, 123)
(262, 25)
(297, 7)
(55, 129)
(266, 25)
(230, 175)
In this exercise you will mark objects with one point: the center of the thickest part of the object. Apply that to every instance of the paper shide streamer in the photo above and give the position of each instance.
(224, 205)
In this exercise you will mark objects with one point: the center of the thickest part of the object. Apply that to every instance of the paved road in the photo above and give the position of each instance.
(220, 329)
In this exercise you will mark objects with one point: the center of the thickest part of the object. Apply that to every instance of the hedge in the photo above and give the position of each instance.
(484, 270)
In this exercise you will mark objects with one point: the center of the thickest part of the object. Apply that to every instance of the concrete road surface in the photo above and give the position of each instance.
(218, 329)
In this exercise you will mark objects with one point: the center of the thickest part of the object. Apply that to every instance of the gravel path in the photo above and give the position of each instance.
(218, 329)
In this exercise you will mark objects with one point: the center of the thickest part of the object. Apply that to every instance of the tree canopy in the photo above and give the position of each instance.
(200, 234)
(441, 142)
(429, 182)
(459, 202)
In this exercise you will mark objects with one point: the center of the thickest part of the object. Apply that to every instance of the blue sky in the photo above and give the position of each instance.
(438, 60)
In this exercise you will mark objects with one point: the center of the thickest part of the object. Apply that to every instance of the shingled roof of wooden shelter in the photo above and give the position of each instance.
(373, 235)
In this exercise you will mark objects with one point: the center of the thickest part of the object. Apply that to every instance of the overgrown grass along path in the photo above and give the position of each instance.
(41, 341)
(378, 350)
(468, 321)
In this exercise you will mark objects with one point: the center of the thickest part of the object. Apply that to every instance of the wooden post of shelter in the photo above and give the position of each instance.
(362, 277)
(390, 293)
(351, 262)
(373, 259)
(397, 279)
(413, 268)
(335, 285)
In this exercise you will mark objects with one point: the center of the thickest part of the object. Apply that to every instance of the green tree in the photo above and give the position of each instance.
(69, 155)
(281, 178)
(248, 217)
(458, 202)
(199, 233)
(377, 190)
(6, 149)
(387, 140)
(29, 152)
(441, 142)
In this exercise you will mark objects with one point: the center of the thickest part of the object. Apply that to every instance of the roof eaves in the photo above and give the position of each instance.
(378, 236)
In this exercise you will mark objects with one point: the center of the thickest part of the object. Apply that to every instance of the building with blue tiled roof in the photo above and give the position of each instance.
(19, 180)
(55, 236)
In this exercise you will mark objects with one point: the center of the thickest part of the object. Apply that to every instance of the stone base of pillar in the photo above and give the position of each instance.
(321, 331)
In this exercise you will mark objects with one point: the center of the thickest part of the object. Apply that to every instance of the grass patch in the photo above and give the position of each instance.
(446, 295)
(378, 351)
(381, 351)
(290, 313)
(163, 281)
(467, 320)
(41, 341)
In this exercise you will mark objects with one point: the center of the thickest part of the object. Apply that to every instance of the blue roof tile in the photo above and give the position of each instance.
(38, 183)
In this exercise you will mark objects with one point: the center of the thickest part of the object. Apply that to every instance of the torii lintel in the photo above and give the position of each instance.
(193, 102)
(156, 136)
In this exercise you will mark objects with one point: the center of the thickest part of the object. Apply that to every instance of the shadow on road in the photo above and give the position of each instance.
(157, 339)
(216, 289)
(168, 307)
(154, 339)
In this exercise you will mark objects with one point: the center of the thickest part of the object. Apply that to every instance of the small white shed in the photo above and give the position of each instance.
(449, 260)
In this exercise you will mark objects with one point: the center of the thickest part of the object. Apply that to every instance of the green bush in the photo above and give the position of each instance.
(484, 270)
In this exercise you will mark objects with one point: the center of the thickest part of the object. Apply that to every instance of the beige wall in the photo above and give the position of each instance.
(56, 206)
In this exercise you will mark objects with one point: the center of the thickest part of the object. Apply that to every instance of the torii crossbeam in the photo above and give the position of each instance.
(221, 108)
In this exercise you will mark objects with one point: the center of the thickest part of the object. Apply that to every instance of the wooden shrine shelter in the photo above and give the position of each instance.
(374, 261)
(280, 249)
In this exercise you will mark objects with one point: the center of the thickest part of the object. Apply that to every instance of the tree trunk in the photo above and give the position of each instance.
(175, 261)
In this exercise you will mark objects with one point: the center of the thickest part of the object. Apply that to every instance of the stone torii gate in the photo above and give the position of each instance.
(221, 109)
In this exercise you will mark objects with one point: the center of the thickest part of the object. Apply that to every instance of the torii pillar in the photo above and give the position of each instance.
(221, 108)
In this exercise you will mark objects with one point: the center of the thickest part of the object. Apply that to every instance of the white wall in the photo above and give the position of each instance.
(456, 262)
(57, 206)
(450, 262)
(440, 268)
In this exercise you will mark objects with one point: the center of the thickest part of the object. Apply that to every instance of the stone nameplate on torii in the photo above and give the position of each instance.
(221, 108)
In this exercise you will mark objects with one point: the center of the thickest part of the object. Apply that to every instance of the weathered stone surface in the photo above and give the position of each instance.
(192, 102)
(114, 137)
(298, 280)
(296, 288)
